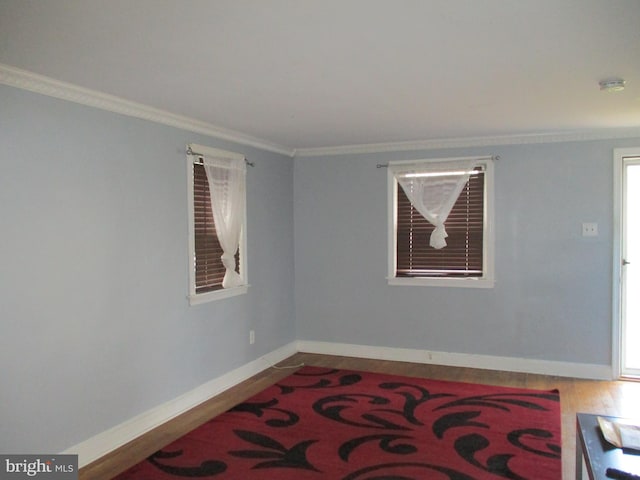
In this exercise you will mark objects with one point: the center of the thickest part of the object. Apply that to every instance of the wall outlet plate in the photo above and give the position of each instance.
(589, 229)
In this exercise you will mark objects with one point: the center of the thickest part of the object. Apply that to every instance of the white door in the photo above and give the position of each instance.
(629, 261)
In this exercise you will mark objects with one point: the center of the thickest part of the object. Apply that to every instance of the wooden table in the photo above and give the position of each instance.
(597, 453)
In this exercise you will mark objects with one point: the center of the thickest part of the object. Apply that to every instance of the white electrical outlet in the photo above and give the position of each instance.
(252, 337)
(590, 229)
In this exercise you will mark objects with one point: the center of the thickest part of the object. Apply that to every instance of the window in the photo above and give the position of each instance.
(206, 268)
(463, 252)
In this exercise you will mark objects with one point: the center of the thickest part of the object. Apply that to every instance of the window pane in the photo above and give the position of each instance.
(463, 255)
(208, 266)
(208, 252)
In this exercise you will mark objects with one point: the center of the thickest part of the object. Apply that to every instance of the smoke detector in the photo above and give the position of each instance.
(612, 85)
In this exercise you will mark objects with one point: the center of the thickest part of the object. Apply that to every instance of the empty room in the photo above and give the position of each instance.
(337, 239)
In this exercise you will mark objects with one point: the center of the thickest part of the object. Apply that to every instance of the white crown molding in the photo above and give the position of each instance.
(466, 142)
(452, 359)
(41, 84)
(33, 82)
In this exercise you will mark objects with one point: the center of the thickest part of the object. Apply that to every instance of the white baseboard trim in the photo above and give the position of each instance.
(107, 441)
(486, 362)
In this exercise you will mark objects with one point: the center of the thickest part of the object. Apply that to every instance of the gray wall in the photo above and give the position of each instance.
(95, 326)
(552, 297)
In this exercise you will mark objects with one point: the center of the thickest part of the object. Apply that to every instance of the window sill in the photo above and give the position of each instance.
(442, 282)
(217, 295)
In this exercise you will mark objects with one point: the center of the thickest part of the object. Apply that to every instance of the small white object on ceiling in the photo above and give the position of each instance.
(612, 85)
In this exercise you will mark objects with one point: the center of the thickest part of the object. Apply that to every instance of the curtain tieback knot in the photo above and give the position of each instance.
(229, 261)
(438, 236)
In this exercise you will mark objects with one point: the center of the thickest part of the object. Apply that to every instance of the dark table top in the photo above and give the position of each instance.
(599, 454)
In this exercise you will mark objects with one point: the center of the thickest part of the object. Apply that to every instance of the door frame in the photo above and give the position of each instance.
(619, 154)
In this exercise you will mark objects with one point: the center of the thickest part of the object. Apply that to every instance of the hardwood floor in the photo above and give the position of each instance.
(619, 398)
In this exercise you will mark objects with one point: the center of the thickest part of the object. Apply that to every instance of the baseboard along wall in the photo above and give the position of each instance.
(485, 362)
(107, 441)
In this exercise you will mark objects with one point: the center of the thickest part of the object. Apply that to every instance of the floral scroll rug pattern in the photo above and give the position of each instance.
(326, 424)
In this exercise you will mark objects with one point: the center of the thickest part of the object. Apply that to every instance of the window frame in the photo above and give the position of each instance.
(204, 297)
(487, 279)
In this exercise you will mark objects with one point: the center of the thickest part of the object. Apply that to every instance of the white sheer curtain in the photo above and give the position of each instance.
(227, 186)
(433, 188)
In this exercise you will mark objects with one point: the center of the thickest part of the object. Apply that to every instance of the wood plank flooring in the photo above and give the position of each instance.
(619, 398)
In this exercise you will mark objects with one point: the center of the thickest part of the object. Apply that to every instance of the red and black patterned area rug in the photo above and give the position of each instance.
(322, 423)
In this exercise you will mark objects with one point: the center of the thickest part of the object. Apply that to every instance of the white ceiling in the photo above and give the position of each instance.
(321, 73)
